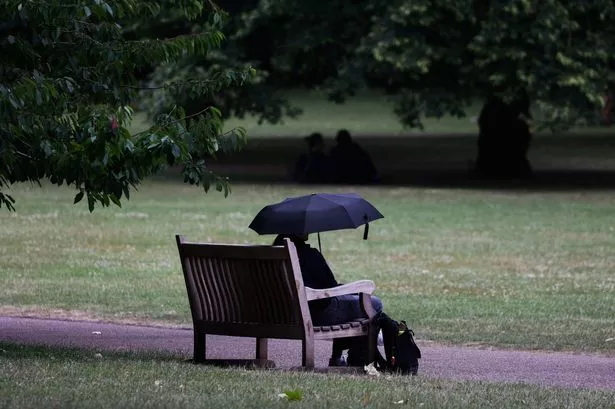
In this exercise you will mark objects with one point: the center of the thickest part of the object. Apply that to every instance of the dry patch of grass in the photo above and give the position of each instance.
(34, 311)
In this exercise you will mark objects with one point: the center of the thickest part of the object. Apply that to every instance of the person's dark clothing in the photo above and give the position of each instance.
(312, 167)
(330, 311)
(352, 164)
(315, 273)
(314, 268)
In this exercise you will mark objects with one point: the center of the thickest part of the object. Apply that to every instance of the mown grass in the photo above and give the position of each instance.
(41, 377)
(399, 153)
(368, 113)
(514, 268)
(508, 269)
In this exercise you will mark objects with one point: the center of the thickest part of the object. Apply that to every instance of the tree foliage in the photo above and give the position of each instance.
(435, 57)
(262, 99)
(70, 75)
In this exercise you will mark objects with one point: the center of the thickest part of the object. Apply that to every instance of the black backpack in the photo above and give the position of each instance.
(401, 352)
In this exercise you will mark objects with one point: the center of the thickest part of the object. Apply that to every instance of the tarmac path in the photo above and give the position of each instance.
(551, 369)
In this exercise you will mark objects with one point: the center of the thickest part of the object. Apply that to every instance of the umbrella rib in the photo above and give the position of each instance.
(343, 207)
(349, 216)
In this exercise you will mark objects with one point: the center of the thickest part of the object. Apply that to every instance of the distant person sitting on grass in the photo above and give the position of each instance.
(351, 163)
(313, 166)
(317, 274)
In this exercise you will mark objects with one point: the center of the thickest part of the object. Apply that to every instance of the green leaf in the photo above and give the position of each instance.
(176, 151)
(91, 202)
(58, 105)
(294, 394)
(115, 200)
(78, 197)
(8, 201)
(108, 9)
(216, 111)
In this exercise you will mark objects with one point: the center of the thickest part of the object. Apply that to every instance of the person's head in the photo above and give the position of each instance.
(343, 137)
(315, 141)
(295, 238)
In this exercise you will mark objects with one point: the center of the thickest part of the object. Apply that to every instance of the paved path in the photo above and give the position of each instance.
(546, 369)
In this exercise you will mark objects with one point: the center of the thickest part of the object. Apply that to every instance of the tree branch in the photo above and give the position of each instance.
(176, 121)
(166, 85)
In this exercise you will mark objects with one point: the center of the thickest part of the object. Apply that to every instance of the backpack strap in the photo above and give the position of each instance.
(389, 327)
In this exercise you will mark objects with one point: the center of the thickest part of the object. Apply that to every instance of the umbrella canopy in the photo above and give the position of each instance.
(315, 213)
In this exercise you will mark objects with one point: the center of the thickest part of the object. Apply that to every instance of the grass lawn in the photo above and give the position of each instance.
(399, 154)
(364, 115)
(38, 377)
(367, 114)
(509, 269)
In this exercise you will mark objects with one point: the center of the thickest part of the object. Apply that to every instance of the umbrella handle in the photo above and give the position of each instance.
(366, 231)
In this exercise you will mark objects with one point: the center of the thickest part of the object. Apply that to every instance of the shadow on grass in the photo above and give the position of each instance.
(544, 181)
(572, 161)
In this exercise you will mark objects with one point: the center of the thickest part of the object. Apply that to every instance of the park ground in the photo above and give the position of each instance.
(515, 266)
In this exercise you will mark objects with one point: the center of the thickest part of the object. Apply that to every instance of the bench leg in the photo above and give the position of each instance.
(199, 346)
(307, 352)
(261, 348)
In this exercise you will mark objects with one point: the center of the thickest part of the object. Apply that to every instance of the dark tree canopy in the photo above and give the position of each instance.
(435, 57)
(261, 98)
(69, 77)
(71, 73)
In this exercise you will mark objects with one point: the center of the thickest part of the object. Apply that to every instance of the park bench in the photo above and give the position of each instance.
(257, 291)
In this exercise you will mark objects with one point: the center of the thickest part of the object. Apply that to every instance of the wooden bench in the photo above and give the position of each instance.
(257, 291)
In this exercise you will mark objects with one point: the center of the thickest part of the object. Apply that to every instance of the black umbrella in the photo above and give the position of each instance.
(315, 213)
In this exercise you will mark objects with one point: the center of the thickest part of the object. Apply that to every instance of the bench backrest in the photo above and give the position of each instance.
(247, 289)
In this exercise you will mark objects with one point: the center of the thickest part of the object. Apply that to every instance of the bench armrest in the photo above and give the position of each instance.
(361, 286)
